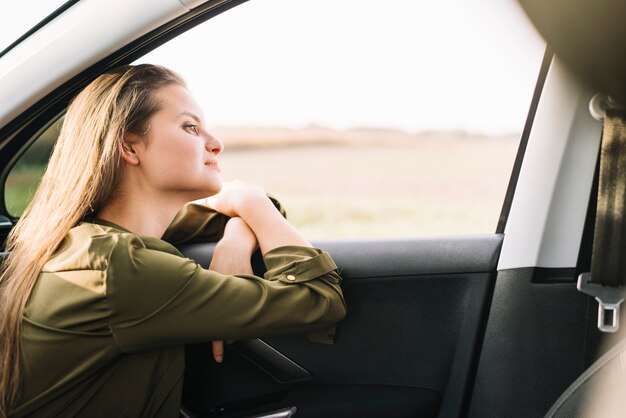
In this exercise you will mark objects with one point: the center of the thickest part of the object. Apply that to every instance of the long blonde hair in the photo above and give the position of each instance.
(82, 175)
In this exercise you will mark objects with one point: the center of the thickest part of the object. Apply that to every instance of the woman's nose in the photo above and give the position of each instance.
(214, 145)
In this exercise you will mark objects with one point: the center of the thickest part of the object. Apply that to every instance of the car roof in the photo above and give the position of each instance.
(25, 18)
(588, 37)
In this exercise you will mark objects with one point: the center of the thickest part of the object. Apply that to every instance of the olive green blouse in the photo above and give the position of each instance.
(104, 328)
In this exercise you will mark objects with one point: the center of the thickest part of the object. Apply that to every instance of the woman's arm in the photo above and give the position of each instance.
(182, 303)
(233, 252)
(195, 222)
(232, 256)
(299, 292)
(251, 203)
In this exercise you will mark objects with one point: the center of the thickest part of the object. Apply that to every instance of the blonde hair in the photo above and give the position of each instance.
(82, 175)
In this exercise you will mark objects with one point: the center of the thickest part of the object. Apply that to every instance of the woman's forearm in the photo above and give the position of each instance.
(232, 256)
(250, 202)
(233, 252)
(271, 229)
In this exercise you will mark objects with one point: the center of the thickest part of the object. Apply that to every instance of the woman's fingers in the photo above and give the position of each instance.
(218, 350)
(233, 196)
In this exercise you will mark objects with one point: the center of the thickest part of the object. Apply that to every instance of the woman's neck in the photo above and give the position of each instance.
(141, 215)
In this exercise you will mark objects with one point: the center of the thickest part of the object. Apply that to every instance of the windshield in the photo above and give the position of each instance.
(18, 17)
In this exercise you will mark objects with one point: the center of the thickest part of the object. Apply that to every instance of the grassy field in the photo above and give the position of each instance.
(366, 183)
(371, 183)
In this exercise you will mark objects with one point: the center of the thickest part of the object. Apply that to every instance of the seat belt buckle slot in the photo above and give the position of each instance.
(609, 300)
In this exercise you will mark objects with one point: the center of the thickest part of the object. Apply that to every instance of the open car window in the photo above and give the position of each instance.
(368, 121)
(363, 122)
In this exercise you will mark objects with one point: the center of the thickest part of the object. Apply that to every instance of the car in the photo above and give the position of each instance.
(480, 325)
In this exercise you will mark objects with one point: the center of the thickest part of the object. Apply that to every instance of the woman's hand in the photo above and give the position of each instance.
(250, 203)
(218, 350)
(235, 197)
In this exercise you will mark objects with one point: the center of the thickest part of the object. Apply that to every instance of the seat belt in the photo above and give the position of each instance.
(607, 279)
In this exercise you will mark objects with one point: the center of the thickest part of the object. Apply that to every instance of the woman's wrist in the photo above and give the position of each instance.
(270, 227)
(238, 236)
(233, 248)
(252, 206)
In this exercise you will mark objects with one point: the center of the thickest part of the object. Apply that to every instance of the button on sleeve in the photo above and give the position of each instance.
(294, 264)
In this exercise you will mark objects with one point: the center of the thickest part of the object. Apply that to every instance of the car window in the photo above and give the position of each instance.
(25, 175)
(365, 121)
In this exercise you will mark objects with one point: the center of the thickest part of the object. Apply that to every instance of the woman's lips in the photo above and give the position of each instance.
(214, 165)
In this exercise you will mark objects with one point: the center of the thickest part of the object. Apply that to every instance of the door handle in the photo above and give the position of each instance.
(279, 413)
(278, 366)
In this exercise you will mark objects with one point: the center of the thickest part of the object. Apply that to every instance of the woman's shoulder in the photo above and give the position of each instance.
(76, 276)
(107, 268)
(89, 246)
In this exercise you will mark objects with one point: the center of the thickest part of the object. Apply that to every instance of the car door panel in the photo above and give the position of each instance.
(409, 340)
(527, 360)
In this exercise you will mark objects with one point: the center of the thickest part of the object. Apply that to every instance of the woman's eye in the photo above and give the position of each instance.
(192, 128)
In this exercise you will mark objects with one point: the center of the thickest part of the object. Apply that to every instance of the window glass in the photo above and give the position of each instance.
(25, 175)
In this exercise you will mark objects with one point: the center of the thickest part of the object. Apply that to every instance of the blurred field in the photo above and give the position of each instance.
(376, 183)
(357, 183)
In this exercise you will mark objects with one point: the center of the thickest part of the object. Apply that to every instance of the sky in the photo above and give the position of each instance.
(466, 65)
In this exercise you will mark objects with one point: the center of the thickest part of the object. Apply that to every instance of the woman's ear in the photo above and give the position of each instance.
(127, 150)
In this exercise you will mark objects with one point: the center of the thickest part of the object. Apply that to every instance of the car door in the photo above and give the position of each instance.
(438, 325)
(407, 347)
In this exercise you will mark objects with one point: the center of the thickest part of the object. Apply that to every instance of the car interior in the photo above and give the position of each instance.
(480, 325)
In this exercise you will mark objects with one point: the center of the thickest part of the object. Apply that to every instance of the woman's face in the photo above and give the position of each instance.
(178, 156)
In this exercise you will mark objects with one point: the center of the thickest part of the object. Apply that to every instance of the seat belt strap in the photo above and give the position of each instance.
(607, 278)
(608, 264)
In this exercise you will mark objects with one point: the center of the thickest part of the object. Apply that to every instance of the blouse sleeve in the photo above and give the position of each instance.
(195, 222)
(157, 298)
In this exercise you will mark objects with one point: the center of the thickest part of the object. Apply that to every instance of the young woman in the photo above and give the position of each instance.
(96, 303)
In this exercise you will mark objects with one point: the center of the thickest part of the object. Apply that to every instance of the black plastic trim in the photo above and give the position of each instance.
(478, 348)
(363, 401)
(5, 227)
(534, 103)
(583, 264)
(278, 366)
(404, 257)
(544, 275)
(535, 344)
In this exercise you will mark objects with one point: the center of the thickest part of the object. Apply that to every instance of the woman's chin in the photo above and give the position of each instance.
(218, 187)
(215, 188)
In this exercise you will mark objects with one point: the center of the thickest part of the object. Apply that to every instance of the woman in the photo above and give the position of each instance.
(96, 304)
